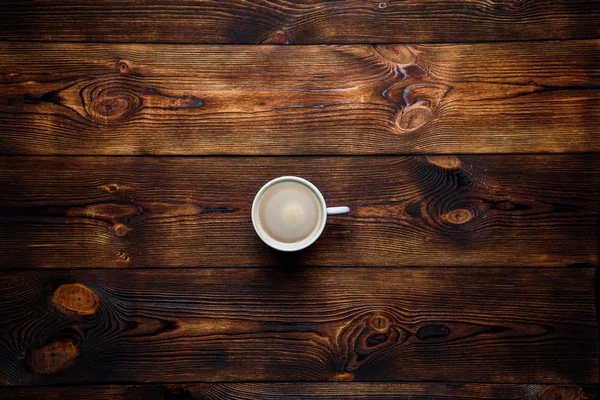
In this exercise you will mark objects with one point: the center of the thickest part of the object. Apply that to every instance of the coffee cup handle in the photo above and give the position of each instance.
(337, 210)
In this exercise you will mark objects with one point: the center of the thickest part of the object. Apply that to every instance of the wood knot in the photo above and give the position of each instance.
(421, 102)
(112, 104)
(121, 229)
(447, 163)
(110, 101)
(123, 256)
(53, 357)
(123, 67)
(77, 298)
(413, 116)
(110, 188)
(367, 335)
(379, 323)
(432, 332)
(396, 54)
(559, 392)
(458, 216)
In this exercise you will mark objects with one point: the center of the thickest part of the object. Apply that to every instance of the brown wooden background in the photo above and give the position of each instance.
(464, 135)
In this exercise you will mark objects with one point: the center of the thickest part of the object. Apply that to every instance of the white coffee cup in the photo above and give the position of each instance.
(314, 235)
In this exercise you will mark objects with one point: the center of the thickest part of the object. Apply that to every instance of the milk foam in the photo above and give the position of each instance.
(289, 212)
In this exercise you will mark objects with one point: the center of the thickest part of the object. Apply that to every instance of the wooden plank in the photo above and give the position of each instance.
(306, 391)
(164, 99)
(73, 212)
(309, 324)
(305, 21)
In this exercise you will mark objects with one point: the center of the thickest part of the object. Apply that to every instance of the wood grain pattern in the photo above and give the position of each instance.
(99, 297)
(164, 99)
(306, 391)
(299, 21)
(73, 212)
(363, 324)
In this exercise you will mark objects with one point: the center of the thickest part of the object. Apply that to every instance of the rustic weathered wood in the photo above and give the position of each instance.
(183, 211)
(305, 21)
(306, 391)
(363, 324)
(310, 330)
(163, 99)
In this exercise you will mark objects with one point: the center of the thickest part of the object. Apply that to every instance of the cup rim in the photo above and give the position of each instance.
(289, 246)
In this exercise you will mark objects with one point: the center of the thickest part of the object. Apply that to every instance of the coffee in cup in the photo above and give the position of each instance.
(289, 213)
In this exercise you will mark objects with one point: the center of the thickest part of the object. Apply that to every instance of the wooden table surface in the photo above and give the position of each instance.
(464, 135)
